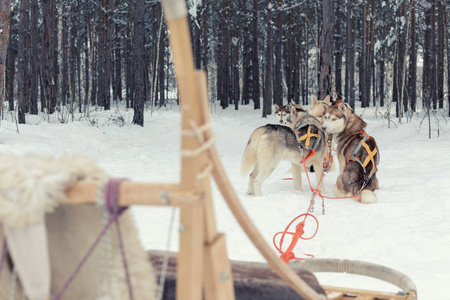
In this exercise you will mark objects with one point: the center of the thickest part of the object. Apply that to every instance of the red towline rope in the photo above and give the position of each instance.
(287, 255)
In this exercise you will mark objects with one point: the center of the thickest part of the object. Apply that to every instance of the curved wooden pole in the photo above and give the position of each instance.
(361, 268)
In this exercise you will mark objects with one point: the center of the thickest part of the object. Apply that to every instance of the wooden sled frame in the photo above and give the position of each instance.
(203, 266)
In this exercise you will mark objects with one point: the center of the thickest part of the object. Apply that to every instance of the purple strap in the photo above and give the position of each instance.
(111, 204)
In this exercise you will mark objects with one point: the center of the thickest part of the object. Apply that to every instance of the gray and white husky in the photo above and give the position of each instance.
(283, 112)
(270, 144)
(357, 153)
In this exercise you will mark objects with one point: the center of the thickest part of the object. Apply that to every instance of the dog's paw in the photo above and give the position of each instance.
(299, 188)
(367, 197)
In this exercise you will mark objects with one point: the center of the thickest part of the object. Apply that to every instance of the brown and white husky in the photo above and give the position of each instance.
(270, 144)
(357, 153)
(319, 106)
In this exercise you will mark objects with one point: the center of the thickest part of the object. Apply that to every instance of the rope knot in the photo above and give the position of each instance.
(286, 257)
(112, 197)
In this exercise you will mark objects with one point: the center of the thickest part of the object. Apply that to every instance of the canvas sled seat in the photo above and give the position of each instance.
(43, 242)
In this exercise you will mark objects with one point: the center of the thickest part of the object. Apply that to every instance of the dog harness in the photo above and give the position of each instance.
(328, 161)
(370, 156)
(338, 102)
(305, 142)
(305, 139)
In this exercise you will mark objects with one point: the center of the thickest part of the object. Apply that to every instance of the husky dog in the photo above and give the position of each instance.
(283, 112)
(319, 106)
(270, 144)
(357, 153)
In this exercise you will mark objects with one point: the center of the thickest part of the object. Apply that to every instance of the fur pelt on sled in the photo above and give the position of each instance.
(31, 190)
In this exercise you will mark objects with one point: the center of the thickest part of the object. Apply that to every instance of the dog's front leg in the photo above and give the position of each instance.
(297, 177)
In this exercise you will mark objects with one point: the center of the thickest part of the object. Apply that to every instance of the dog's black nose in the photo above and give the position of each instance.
(324, 128)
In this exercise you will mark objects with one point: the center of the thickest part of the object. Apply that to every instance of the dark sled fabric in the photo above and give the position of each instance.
(251, 280)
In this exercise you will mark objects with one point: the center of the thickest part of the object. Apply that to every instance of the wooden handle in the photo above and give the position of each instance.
(174, 9)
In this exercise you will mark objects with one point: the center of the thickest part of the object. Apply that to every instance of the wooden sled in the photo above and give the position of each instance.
(203, 269)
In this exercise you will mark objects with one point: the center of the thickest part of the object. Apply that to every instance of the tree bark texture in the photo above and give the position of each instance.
(139, 69)
(5, 11)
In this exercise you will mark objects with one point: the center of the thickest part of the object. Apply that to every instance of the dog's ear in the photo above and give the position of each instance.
(277, 107)
(293, 111)
(327, 100)
(342, 107)
(313, 101)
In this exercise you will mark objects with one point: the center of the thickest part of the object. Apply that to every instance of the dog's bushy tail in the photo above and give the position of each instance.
(250, 152)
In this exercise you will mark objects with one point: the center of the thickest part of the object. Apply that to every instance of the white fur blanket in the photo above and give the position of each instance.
(31, 190)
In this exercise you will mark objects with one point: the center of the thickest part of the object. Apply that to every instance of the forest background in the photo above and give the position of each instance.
(71, 56)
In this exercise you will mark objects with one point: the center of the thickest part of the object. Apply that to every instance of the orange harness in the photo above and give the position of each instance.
(370, 155)
(305, 140)
(337, 103)
(328, 161)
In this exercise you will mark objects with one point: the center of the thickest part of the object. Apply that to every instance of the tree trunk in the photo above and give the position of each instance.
(306, 68)
(34, 58)
(268, 76)
(10, 73)
(5, 12)
(235, 88)
(139, 68)
(350, 58)
(288, 52)
(247, 69)
(363, 58)
(21, 75)
(223, 76)
(161, 72)
(433, 75)
(72, 55)
(428, 72)
(129, 76)
(205, 16)
(65, 60)
(255, 58)
(338, 48)
(370, 55)
(326, 51)
(278, 77)
(412, 69)
(87, 55)
(447, 22)
(382, 60)
(117, 85)
(48, 59)
(440, 54)
(401, 53)
(433, 69)
(109, 5)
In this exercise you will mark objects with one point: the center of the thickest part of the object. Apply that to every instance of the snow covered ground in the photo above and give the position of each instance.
(407, 230)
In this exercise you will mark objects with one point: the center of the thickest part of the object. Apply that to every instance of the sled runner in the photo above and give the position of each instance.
(203, 269)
